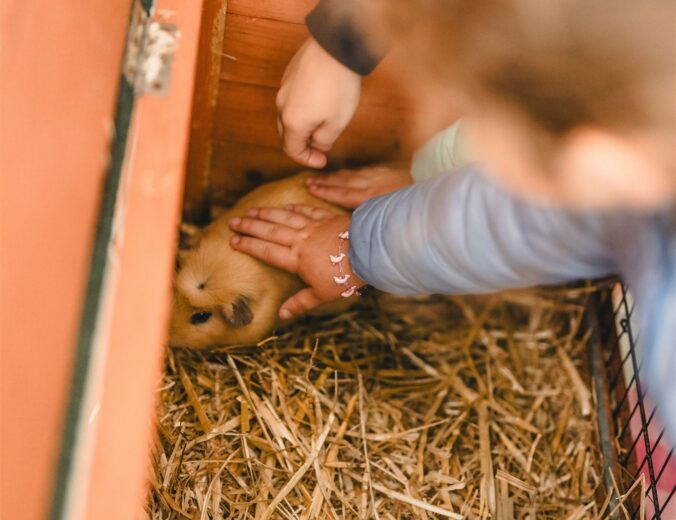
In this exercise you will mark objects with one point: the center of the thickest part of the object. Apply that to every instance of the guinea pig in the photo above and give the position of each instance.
(225, 297)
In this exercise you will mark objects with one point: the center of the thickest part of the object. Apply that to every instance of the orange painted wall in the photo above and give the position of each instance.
(59, 66)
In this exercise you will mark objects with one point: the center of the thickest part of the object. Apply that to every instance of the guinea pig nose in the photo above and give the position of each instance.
(200, 317)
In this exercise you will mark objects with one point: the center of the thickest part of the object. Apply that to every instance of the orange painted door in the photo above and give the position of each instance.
(59, 74)
(79, 366)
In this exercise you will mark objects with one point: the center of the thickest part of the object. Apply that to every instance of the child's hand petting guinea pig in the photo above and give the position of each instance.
(311, 242)
(225, 297)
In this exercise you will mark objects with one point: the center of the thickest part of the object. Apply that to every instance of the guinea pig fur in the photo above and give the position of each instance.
(224, 297)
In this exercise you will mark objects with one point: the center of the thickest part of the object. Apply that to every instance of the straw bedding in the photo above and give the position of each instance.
(399, 409)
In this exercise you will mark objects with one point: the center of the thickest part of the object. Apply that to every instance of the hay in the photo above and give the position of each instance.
(401, 408)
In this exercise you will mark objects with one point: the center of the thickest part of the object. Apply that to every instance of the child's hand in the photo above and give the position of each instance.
(299, 239)
(317, 99)
(350, 188)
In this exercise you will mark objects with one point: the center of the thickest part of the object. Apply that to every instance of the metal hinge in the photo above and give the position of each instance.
(151, 46)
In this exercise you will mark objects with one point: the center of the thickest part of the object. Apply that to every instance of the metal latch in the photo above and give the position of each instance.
(151, 46)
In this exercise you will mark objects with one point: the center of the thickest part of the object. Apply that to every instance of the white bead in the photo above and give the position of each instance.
(341, 280)
(349, 291)
(336, 259)
(345, 235)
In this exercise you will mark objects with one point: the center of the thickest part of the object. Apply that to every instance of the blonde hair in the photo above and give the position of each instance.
(562, 63)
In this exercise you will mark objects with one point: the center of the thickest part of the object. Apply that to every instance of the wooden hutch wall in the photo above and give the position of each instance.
(244, 48)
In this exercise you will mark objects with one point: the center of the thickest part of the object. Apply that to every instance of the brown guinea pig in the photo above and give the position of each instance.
(224, 297)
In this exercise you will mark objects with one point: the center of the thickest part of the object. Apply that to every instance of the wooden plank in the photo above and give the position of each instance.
(247, 114)
(246, 149)
(257, 50)
(239, 167)
(205, 96)
(285, 10)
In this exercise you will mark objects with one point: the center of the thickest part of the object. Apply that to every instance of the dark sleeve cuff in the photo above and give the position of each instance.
(334, 27)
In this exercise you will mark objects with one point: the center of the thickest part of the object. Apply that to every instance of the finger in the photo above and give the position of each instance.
(273, 254)
(280, 216)
(311, 211)
(280, 128)
(346, 197)
(296, 145)
(324, 136)
(299, 303)
(341, 179)
(276, 233)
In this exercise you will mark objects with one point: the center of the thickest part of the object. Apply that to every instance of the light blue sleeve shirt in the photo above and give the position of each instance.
(461, 232)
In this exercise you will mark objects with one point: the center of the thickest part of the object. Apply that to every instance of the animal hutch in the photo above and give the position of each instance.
(523, 405)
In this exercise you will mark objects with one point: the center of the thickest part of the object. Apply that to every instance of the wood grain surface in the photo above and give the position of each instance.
(243, 148)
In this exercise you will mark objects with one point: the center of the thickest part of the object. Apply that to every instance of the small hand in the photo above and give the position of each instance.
(298, 239)
(316, 100)
(350, 188)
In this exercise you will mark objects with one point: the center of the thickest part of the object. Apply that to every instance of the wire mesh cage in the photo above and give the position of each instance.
(637, 453)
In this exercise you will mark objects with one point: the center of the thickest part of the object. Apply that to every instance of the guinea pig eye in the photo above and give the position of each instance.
(200, 317)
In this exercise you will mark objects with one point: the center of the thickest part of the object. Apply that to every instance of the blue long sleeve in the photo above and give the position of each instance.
(462, 233)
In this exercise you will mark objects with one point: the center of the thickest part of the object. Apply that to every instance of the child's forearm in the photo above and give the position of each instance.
(461, 233)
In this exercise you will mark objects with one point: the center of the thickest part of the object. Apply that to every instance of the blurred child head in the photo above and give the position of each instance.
(571, 100)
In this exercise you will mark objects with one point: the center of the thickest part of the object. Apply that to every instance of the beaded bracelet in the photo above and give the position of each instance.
(343, 277)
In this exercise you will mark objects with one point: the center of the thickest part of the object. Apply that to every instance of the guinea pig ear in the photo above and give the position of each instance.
(180, 259)
(239, 313)
(189, 237)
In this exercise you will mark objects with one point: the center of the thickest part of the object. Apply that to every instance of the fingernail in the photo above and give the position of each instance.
(285, 314)
(309, 181)
(235, 240)
(252, 212)
(235, 221)
(318, 162)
